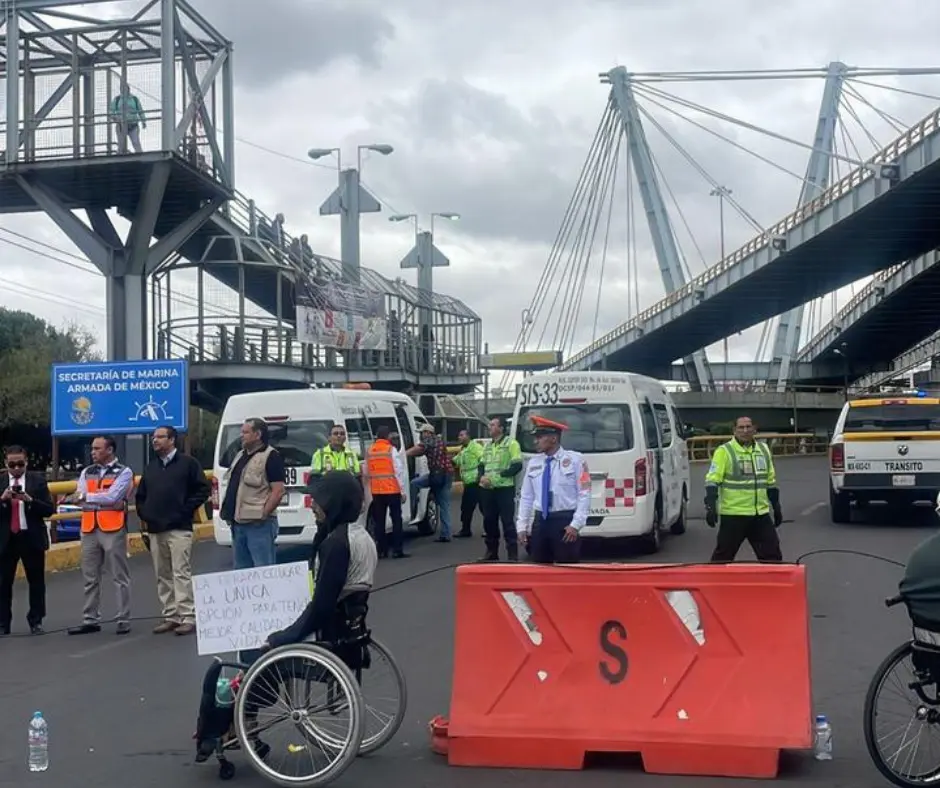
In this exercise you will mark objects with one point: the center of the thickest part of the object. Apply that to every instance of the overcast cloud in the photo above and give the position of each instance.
(491, 107)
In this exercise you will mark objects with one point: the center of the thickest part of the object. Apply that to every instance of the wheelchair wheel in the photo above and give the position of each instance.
(309, 695)
(902, 720)
(384, 698)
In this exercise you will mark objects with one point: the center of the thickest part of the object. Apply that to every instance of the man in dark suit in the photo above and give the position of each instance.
(25, 502)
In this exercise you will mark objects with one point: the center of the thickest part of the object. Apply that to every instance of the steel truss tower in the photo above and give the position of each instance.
(664, 241)
(787, 339)
(64, 153)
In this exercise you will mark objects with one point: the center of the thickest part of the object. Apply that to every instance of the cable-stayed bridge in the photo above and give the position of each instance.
(840, 287)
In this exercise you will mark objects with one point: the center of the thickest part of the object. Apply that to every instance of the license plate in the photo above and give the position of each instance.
(903, 481)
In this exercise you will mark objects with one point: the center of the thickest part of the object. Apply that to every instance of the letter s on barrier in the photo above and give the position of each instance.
(616, 652)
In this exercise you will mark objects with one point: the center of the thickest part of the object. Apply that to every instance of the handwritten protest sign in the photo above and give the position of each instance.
(237, 610)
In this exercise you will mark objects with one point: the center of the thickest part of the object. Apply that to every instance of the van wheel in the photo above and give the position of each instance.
(652, 541)
(428, 525)
(840, 510)
(678, 527)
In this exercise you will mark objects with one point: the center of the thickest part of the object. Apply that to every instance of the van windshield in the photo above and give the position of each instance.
(894, 417)
(592, 429)
(296, 441)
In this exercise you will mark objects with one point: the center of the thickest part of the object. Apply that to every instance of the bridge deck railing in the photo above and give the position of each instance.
(912, 136)
(262, 340)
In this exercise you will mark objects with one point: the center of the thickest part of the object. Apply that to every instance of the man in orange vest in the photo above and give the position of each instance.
(103, 491)
(387, 480)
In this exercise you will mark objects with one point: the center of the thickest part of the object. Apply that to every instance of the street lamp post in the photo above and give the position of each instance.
(425, 257)
(350, 199)
(842, 352)
(721, 192)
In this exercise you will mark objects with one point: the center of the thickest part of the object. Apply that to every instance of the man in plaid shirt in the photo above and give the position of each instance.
(440, 477)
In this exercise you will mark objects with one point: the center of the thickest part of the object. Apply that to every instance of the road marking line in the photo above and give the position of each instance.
(810, 509)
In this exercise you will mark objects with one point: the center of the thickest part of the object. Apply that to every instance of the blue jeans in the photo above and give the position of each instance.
(441, 491)
(254, 543)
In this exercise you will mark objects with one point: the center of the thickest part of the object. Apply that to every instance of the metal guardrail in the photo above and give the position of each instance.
(912, 136)
(781, 444)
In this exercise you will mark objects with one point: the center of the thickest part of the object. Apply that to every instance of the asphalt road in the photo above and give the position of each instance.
(122, 710)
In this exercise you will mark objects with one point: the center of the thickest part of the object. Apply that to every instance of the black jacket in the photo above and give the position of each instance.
(37, 510)
(339, 558)
(168, 495)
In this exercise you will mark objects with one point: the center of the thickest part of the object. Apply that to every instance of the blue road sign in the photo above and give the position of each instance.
(119, 397)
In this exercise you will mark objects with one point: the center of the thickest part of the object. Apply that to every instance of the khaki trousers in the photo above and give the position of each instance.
(172, 553)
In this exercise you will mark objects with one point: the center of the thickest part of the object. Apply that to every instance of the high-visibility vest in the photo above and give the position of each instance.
(381, 468)
(742, 475)
(107, 520)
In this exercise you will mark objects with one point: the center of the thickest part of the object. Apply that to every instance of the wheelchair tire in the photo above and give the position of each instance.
(902, 652)
(371, 743)
(340, 676)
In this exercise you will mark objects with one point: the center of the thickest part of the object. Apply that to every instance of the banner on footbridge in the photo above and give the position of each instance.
(343, 316)
(119, 397)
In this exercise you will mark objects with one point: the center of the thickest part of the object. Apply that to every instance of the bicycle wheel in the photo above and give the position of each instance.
(916, 728)
(383, 708)
(319, 738)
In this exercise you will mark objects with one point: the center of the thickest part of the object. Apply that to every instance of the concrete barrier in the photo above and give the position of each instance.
(68, 555)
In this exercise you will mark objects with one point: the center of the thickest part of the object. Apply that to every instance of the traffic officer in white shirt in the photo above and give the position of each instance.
(556, 489)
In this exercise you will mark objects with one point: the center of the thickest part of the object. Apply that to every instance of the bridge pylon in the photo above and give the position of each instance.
(664, 240)
(75, 141)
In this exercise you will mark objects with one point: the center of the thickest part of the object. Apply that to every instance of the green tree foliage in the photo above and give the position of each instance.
(28, 348)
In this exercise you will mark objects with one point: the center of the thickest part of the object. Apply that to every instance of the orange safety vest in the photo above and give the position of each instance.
(381, 470)
(107, 520)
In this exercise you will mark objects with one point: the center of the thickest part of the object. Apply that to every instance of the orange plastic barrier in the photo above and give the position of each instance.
(551, 663)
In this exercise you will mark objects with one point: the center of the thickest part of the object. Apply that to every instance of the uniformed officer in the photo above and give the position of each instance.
(557, 490)
(335, 456)
(740, 493)
(500, 463)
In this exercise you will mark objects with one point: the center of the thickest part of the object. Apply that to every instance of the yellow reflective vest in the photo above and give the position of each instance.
(742, 475)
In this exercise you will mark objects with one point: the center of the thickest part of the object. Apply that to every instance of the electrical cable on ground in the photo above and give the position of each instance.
(596, 568)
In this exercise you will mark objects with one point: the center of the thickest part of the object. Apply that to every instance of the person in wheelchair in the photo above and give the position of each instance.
(343, 561)
(920, 588)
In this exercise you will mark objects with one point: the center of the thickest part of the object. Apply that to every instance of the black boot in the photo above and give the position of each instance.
(512, 552)
(491, 554)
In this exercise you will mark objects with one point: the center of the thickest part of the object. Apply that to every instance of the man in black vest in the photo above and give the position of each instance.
(25, 502)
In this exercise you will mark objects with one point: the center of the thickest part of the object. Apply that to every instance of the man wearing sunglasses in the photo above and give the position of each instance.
(25, 502)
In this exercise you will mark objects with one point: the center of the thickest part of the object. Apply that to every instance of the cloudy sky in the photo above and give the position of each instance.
(491, 107)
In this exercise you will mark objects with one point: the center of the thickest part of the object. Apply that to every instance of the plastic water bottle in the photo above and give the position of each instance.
(224, 694)
(822, 739)
(38, 743)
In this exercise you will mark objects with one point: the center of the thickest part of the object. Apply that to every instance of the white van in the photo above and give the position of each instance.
(629, 431)
(299, 422)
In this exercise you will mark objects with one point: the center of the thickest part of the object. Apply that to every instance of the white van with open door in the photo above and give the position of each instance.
(633, 439)
(299, 422)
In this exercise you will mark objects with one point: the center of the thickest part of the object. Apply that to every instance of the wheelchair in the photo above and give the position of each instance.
(321, 692)
(911, 675)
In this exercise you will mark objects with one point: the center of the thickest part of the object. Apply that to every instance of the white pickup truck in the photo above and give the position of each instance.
(885, 447)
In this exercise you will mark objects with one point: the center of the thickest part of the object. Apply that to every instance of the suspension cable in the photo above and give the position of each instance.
(579, 259)
(736, 121)
(553, 263)
(722, 137)
(888, 118)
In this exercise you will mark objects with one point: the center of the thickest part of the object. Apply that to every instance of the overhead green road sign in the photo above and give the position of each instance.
(532, 361)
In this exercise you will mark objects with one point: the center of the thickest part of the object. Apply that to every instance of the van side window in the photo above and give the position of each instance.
(406, 431)
(677, 420)
(649, 426)
(382, 421)
(357, 435)
(665, 426)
